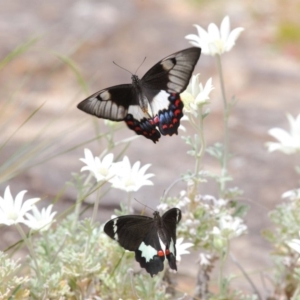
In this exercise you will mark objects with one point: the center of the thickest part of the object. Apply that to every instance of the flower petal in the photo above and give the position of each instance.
(225, 29)
(233, 36)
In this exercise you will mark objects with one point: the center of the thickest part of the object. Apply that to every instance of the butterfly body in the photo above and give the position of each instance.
(150, 102)
(152, 239)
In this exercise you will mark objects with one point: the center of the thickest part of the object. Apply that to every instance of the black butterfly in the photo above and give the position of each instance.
(151, 101)
(152, 239)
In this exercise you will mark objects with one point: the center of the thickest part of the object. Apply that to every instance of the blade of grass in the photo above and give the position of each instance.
(24, 122)
(19, 50)
(68, 61)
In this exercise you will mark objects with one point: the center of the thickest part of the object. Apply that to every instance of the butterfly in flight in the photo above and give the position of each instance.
(150, 102)
(152, 239)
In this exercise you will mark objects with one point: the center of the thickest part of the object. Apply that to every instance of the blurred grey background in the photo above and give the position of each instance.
(262, 71)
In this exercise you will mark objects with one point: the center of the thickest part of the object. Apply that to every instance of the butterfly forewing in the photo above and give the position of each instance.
(128, 231)
(172, 73)
(111, 103)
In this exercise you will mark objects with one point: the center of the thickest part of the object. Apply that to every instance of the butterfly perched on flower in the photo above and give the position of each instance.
(152, 239)
(150, 102)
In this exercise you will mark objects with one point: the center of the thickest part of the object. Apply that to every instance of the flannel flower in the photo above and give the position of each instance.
(214, 40)
(181, 248)
(195, 94)
(102, 170)
(288, 142)
(13, 211)
(205, 259)
(40, 220)
(130, 179)
(293, 195)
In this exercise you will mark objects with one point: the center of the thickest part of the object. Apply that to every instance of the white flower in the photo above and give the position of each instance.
(195, 94)
(216, 204)
(229, 227)
(215, 41)
(102, 170)
(40, 220)
(181, 248)
(294, 244)
(183, 202)
(162, 207)
(130, 179)
(13, 211)
(204, 259)
(289, 142)
(292, 194)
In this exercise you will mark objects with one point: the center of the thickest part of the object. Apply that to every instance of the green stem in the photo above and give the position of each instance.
(31, 252)
(224, 254)
(199, 146)
(225, 122)
(96, 205)
(79, 200)
(129, 208)
(200, 132)
(46, 238)
(296, 294)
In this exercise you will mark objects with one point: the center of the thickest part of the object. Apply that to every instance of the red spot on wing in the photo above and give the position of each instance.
(160, 253)
(177, 112)
(154, 121)
(167, 251)
(177, 102)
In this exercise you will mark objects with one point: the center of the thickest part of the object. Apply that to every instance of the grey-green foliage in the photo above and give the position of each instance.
(12, 284)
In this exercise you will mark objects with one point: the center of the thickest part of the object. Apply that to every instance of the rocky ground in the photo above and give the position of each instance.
(263, 75)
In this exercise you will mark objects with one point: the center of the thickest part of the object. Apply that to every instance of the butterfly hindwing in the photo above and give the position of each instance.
(152, 239)
(145, 127)
(149, 253)
(169, 119)
(170, 219)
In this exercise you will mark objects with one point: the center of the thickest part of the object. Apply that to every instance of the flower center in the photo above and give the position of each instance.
(103, 171)
(12, 215)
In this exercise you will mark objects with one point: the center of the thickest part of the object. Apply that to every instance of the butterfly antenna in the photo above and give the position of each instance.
(122, 68)
(140, 65)
(145, 206)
